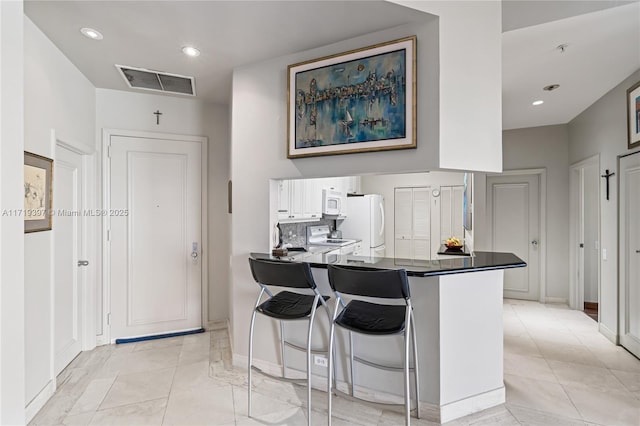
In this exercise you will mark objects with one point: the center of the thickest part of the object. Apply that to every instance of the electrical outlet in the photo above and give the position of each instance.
(320, 360)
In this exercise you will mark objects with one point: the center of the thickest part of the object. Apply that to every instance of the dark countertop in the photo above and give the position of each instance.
(480, 261)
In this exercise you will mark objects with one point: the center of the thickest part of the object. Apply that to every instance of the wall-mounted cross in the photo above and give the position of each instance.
(607, 175)
(158, 114)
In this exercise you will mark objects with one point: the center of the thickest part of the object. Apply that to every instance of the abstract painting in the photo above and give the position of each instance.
(38, 172)
(633, 116)
(362, 100)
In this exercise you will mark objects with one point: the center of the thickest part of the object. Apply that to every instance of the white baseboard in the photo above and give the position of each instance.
(38, 402)
(428, 411)
(608, 333)
(562, 300)
(473, 404)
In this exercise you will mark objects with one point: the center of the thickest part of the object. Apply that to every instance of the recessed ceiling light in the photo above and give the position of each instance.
(91, 33)
(190, 51)
(539, 102)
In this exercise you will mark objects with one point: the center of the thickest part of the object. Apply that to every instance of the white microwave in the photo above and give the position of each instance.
(334, 203)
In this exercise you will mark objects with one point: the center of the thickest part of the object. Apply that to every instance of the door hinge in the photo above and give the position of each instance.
(109, 318)
(108, 234)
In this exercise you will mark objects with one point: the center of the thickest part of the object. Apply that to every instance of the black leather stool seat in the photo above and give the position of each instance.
(372, 318)
(287, 305)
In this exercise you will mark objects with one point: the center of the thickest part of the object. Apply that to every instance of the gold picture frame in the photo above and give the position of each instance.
(633, 116)
(356, 101)
(38, 192)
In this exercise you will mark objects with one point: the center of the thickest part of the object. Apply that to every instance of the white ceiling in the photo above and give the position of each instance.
(603, 49)
(150, 34)
(604, 43)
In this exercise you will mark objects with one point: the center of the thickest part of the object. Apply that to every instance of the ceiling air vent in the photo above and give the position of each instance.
(140, 78)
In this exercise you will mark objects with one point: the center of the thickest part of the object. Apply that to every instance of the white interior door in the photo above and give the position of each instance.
(513, 206)
(155, 236)
(68, 276)
(630, 253)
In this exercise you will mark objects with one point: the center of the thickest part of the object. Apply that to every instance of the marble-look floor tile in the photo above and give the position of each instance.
(139, 387)
(539, 395)
(584, 376)
(78, 419)
(261, 405)
(144, 413)
(568, 353)
(392, 418)
(498, 416)
(631, 381)
(135, 362)
(606, 408)
(531, 367)
(531, 417)
(92, 396)
(617, 358)
(157, 343)
(521, 345)
(206, 404)
(191, 354)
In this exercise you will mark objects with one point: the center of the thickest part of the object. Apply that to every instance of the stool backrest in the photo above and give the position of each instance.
(282, 274)
(388, 284)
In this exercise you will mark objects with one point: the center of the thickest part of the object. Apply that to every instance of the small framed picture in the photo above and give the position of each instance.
(633, 116)
(38, 192)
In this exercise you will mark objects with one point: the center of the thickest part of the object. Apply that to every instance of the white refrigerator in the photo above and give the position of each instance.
(365, 221)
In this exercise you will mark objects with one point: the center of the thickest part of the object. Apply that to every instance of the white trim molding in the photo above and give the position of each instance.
(39, 400)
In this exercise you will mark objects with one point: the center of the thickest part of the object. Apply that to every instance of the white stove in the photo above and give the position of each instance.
(319, 236)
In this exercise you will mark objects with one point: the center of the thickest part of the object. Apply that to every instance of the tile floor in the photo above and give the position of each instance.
(558, 371)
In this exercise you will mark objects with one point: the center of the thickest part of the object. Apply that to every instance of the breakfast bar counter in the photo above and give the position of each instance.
(458, 315)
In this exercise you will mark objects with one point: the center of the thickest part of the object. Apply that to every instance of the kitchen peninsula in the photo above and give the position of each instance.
(458, 312)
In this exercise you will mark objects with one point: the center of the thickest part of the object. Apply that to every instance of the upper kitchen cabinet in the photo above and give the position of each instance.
(301, 199)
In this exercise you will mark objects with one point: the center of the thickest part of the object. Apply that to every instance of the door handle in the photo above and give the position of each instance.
(83, 263)
(581, 245)
(534, 243)
(637, 251)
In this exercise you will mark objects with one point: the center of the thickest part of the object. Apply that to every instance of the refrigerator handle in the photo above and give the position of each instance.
(382, 216)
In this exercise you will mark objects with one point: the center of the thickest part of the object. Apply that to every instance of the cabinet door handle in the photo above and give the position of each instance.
(83, 263)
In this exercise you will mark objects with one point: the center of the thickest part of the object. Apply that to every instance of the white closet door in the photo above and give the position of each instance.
(403, 212)
(421, 223)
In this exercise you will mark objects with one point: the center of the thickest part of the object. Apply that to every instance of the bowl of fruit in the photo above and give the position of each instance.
(453, 243)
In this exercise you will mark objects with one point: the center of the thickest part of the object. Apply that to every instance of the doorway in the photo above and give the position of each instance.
(515, 209)
(585, 236)
(629, 257)
(70, 263)
(155, 226)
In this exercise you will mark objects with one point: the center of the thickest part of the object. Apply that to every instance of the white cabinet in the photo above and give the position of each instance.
(312, 203)
(299, 199)
(412, 225)
(352, 185)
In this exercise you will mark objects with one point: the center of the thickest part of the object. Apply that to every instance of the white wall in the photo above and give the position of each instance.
(386, 184)
(470, 82)
(12, 293)
(601, 129)
(134, 111)
(56, 97)
(531, 148)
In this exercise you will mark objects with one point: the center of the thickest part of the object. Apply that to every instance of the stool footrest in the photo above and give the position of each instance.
(380, 366)
(300, 348)
(366, 401)
(280, 378)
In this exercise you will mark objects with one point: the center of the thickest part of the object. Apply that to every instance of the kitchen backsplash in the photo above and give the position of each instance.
(296, 233)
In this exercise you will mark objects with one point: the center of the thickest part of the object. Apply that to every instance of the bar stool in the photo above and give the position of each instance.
(373, 319)
(285, 306)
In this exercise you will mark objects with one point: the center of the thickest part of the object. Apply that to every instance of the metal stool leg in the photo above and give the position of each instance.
(284, 364)
(415, 364)
(331, 353)
(253, 320)
(407, 395)
(313, 314)
(353, 375)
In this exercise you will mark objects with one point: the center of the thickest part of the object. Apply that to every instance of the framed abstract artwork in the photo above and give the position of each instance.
(633, 116)
(38, 192)
(356, 101)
